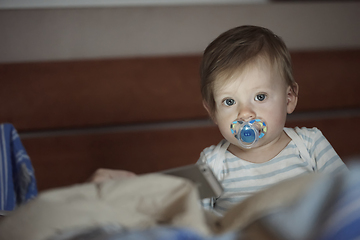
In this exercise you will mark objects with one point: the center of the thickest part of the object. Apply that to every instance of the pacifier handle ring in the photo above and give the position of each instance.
(255, 128)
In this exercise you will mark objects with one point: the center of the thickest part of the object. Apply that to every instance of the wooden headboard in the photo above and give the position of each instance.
(146, 115)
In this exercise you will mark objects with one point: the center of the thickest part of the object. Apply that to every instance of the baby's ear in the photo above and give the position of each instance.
(211, 114)
(292, 97)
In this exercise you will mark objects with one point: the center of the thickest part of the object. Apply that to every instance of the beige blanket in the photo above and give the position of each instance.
(138, 203)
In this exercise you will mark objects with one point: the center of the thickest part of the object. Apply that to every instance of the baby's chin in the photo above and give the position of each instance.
(237, 147)
(258, 145)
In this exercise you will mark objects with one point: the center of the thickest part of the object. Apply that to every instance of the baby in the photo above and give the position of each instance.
(248, 89)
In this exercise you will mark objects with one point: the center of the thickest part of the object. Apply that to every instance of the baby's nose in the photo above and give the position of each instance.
(246, 114)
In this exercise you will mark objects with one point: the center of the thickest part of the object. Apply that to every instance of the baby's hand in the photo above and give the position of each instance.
(103, 174)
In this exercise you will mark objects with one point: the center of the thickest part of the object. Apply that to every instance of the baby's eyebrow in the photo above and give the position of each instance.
(222, 94)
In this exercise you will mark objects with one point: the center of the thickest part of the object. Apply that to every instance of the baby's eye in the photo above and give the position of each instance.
(229, 102)
(260, 97)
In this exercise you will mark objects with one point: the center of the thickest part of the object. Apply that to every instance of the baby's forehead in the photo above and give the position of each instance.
(221, 84)
(261, 72)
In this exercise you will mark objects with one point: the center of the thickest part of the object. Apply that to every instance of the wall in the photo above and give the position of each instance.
(76, 33)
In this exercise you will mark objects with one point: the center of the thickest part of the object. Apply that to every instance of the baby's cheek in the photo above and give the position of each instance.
(226, 132)
(276, 126)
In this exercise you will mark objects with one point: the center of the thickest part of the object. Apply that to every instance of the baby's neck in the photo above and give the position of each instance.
(261, 154)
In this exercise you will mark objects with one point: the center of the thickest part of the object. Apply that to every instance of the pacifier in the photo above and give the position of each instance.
(248, 133)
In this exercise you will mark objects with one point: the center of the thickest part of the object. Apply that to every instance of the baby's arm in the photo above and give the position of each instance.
(326, 158)
(206, 203)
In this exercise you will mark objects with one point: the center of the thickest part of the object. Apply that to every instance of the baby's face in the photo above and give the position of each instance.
(258, 92)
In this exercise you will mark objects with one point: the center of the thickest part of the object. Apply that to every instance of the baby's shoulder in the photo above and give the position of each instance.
(309, 136)
(307, 133)
(211, 153)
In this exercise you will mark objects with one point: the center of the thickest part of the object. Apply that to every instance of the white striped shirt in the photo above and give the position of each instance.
(241, 179)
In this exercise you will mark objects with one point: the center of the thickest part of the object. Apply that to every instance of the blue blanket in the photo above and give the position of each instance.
(17, 179)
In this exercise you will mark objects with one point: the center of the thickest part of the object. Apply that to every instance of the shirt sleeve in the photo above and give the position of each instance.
(205, 203)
